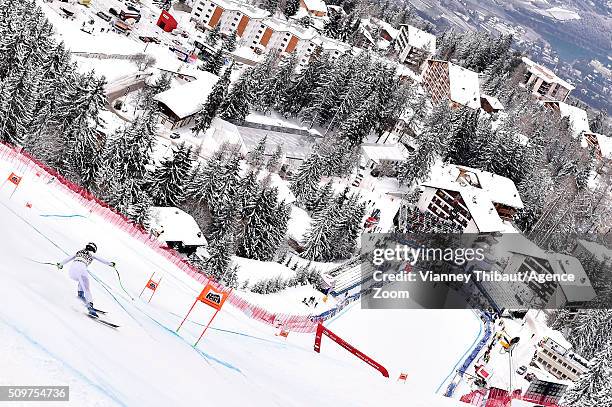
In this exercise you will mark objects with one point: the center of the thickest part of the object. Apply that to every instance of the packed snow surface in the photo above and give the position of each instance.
(48, 340)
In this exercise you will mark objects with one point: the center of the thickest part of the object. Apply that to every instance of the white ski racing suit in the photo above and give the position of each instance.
(78, 270)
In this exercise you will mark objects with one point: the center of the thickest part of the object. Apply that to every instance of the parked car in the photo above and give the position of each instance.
(113, 12)
(144, 38)
(104, 16)
(132, 8)
(174, 136)
(521, 370)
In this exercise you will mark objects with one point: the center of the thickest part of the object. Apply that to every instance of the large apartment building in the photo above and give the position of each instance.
(475, 200)
(544, 83)
(445, 80)
(258, 31)
(559, 361)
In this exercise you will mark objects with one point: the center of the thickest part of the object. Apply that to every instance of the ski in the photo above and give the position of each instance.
(110, 324)
(99, 311)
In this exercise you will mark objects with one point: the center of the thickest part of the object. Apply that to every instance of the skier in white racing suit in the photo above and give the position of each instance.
(78, 272)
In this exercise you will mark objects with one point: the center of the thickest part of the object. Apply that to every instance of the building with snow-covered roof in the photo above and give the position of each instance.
(601, 143)
(597, 250)
(177, 229)
(477, 201)
(559, 360)
(414, 45)
(490, 104)
(544, 83)
(296, 145)
(180, 104)
(445, 80)
(316, 8)
(579, 121)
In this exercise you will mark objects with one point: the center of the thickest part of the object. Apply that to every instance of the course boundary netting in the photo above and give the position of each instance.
(24, 164)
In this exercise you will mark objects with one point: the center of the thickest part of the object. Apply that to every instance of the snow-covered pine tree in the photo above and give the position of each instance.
(161, 84)
(321, 199)
(269, 5)
(215, 62)
(220, 261)
(229, 43)
(305, 181)
(291, 7)
(299, 91)
(275, 160)
(433, 143)
(212, 104)
(350, 226)
(213, 36)
(129, 150)
(359, 124)
(589, 330)
(594, 387)
(79, 154)
(264, 226)
(237, 105)
(255, 158)
(319, 237)
(166, 183)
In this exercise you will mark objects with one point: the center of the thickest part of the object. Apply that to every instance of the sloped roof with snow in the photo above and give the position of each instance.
(464, 86)
(598, 250)
(605, 145)
(421, 39)
(578, 117)
(479, 194)
(578, 290)
(316, 5)
(384, 152)
(175, 225)
(187, 99)
(502, 189)
(493, 101)
(545, 73)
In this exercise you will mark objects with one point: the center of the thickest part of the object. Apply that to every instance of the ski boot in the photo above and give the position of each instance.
(91, 310)
(81, 296)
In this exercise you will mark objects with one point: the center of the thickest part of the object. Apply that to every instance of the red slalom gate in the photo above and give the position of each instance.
(321, 330)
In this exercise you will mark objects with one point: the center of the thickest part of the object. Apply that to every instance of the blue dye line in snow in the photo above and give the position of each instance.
(463, 356)
(78, 374)
(63, 216)
(219, 361)
(108, 290)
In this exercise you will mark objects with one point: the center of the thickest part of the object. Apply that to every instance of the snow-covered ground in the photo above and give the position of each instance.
(47, 339)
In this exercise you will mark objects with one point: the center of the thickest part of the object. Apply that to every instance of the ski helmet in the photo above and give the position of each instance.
(91, 247)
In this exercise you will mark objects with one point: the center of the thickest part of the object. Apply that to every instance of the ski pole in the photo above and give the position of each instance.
(42, 262)
(121, 284)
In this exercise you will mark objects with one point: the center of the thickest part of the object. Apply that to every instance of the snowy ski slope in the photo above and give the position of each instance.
(47, 340)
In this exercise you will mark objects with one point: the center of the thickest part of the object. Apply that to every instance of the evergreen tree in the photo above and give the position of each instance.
(213, 36)
(305, 181)
(264, 226)
(229, 43)
(213, 103)
(291, 7)
(215, 62)
(594, 387)
(237, 105)
(167, 182)
(255, 158)
(275, 160)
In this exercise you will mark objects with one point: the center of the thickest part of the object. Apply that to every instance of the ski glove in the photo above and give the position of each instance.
(59, 265)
